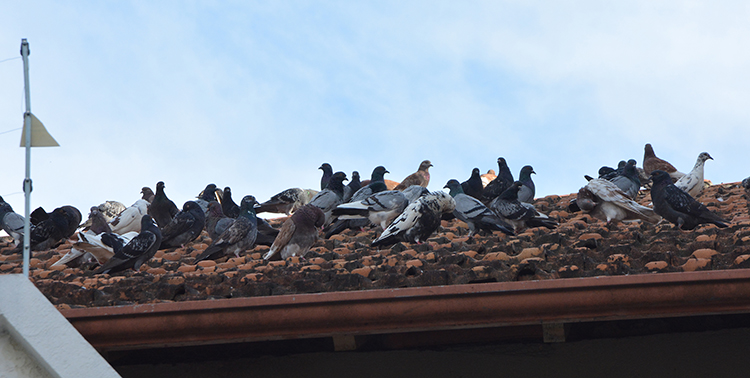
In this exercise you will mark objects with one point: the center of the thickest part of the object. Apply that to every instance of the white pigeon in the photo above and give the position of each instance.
(130, 219)
(418, 221)
(692, 182)
(604, 200)
(90, 243)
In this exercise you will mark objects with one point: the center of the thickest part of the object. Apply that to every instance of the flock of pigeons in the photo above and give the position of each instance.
(118, 237)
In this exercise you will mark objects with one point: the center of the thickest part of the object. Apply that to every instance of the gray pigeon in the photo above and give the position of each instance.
(327, 173)
(206, 196)
(376, 185)
(138, 250)
(11, 222)
(474, 213)
(418, 221)
(238, 237)
(330, 197)
(162, 209)
(185, 227)
(527, 191)
(679, 207)
(298, 233)
(627, 180)
(380, 208)
(502, 182)
(287, 201)
(519, 215)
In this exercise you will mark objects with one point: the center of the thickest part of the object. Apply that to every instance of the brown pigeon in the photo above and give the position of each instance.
(421, 177)
(298, 233)
(652, 163)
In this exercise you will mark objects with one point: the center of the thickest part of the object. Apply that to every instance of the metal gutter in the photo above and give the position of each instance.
(414, 309)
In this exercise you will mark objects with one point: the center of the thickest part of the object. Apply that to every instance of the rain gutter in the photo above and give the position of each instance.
(390, 311)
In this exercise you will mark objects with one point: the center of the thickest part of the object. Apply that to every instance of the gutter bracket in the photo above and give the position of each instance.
(343, 343)
(555, 332)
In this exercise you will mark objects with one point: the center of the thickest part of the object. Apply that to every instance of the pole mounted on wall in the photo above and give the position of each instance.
(34, 135)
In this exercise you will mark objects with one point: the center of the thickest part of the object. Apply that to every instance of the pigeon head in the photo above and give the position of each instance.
(425, 165)
(586, 200)
(378, 173)
(147, 223)
(454, 186)
(190, 205)
(326, 168)
(632, 161)
(160, 186)
(475, 172)
(337, 179)
(248, 202)
(659, 177)
(511, 193)
(526, 172)
(648, 151)
(704, 156)
(227, 192)
(208, 194)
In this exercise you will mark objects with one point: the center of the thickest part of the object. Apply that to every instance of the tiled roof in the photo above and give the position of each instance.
(580, 247)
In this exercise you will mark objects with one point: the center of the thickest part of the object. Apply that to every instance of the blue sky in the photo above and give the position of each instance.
(256, 95)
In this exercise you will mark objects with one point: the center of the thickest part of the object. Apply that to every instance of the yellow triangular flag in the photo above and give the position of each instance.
(39, 135)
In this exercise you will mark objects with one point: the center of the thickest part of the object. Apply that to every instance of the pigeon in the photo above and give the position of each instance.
(12, 222)
(678, 207)
(147, 194)
(94, 245)
(97, 222)
(327, 173)
(266, 233)
(58, 225)
(421, 177)
(162, 209)
(298, 233)
(473, 186)
(418, 221)
(238, 237)
(497, 186)
(604, 200)
(692, 182)
(353, 186)
(332, 196)
(488, 177)
(335, 225)
(138, 250)
(517, 214)
(287, 201)
(185, 227)
(382, 207)
(206, 196)
(37, 216)
(228, 206)
(216, 221)
(746, 183)
(627, 180)
(474, 213)
(652, 163)
(130, 219)
(109, 210)
(608, 173)
(527, 191)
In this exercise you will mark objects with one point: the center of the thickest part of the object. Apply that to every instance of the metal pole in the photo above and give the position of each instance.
(27, 181)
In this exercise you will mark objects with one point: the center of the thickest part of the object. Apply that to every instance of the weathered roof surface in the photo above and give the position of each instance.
(580, 247)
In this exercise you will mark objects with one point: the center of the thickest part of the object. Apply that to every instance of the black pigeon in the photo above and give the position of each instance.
(57, 226)
(376, 185)
(228, 206)
(266, 233)
(238, 237)
(519, 215)
(216, 221)
(327, 173)
(418, 221)
(608, 173)
(353, 186)
(138, 250)
(474, 213)
(185, 227)
(37, 216)
(162, 209)
(473, 186)
(206, 196)
(678, 207)
(497, 186)
(298, 233)
(332, 196)
(287, 201)
(527, 191)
